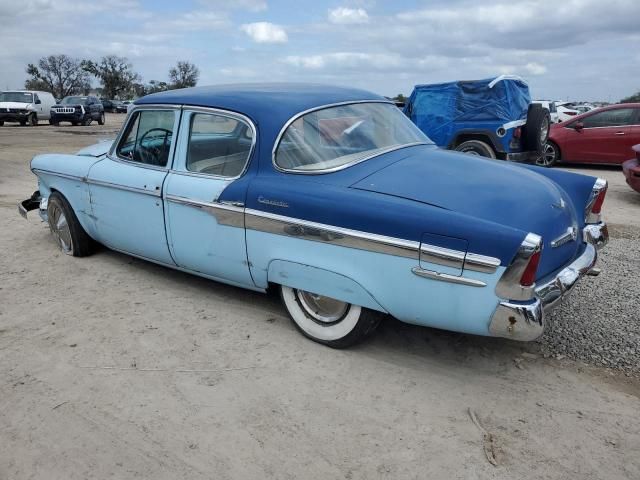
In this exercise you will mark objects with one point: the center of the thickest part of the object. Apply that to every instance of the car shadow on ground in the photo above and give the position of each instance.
(393, 341)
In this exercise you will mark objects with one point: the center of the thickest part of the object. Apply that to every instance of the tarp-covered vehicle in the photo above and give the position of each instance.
(492, 118)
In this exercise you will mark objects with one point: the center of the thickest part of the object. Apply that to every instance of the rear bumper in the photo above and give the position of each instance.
(525, 320)
(522, 157)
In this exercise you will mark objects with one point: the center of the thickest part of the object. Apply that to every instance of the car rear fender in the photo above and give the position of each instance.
(578, 187)
(322, 282)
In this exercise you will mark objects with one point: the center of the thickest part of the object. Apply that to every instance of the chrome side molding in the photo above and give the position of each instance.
(445, 277)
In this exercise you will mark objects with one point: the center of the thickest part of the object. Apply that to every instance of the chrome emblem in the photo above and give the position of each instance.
(560, 205)
(569, 236)
(274, 203)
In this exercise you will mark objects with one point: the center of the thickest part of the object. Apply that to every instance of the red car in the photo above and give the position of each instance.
(631, 170)
(603, 136)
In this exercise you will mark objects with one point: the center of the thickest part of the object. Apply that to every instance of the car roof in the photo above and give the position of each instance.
(271, 102)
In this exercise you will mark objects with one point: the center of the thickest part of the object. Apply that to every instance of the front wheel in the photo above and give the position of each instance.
(101, 119)
(476, 147)
(65, 227)
(550, 155)
(326, 320)
(86, 121)
(33, 120)
(1, 123)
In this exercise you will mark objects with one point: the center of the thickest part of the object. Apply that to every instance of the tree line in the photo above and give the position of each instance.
(63, 75)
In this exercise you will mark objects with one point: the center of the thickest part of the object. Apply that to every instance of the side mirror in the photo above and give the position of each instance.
(579, 126)
(38, 101)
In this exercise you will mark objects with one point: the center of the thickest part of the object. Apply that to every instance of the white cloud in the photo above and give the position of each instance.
(349, 60)
(535, 68)
(265, 32)
(348, 16)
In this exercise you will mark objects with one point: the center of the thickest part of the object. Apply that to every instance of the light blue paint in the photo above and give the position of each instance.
(322, 282)
(388, 279)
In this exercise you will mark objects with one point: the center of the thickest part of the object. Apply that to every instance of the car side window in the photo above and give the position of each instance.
(610, 118)
(147, 138)
(218, 145)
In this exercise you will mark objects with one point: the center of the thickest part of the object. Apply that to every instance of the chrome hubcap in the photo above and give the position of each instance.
(60, 229)
(320, 308)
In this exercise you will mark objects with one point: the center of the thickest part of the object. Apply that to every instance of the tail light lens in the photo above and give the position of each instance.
(594, 207)
(571, 113)
(517, 133)
(529, 275)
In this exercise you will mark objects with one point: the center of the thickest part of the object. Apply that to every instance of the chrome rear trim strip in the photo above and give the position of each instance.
(319, 232)
(445, 277)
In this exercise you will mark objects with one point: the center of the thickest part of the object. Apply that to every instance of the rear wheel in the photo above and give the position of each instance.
(1, 123)
(327, 320)
(65, 227)
(550, 155)
(75, 124)
(476, 147)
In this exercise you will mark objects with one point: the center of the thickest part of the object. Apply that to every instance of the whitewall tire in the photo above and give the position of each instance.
(326, 320)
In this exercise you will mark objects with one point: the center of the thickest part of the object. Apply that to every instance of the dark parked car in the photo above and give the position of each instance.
(631, 170)
(122, 107)
(604, 135)
(77, 110)
(109, 105)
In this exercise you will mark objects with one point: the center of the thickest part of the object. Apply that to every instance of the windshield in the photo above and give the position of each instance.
(337, 136)
(20, 97)
(74, 101)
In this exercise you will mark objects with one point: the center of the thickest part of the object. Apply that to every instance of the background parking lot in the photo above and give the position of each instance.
(114, 367)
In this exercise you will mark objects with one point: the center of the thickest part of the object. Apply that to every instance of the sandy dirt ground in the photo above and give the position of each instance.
(111, 367)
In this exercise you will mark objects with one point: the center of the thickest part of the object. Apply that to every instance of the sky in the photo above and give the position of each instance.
(566, 50)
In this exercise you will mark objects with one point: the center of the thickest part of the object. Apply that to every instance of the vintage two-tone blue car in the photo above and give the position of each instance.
(333, 197)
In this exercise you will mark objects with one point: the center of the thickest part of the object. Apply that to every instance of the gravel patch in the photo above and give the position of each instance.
(600, 322)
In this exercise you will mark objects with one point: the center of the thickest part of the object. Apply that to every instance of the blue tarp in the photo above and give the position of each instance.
(438, 109)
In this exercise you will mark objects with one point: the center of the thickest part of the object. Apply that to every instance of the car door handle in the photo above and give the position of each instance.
(619, 133)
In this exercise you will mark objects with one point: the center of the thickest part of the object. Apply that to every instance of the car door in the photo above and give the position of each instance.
(126, 187)
(37, 103)
(205, 234)
(606, 136)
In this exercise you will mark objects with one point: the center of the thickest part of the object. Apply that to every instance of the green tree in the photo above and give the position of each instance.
(400, 98)
(183, 75)
(59, 74)
(115, 74)
(632, 98)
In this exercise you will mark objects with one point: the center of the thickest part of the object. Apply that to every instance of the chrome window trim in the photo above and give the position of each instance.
(225, 113)
(508, 287)
(111, 154)
(341, 167)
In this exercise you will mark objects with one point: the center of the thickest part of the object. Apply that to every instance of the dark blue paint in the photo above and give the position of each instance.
(407, 193)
